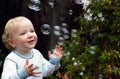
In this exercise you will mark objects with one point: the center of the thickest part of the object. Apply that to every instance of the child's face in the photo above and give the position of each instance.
(24, 37)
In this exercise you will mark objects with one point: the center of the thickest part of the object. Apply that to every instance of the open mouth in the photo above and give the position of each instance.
(31, 41)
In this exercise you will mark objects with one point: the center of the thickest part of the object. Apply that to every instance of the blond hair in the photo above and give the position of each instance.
(9, 27)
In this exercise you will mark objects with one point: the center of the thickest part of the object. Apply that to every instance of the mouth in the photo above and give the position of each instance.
(31, 41)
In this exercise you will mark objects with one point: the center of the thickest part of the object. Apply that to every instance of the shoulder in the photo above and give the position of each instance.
(11, 55)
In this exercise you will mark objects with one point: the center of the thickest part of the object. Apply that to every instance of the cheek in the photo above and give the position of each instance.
(21, 40)
(18, 42)
(36, 38)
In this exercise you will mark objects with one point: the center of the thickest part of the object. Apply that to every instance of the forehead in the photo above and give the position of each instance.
(22, 22)
(18, 24)
(24, 26)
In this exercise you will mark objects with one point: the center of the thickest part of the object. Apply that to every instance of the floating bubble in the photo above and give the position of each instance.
(66, 36)
(70, 12)
(74, 33)
(51, 3)
(62, 18)
(34, 5)
(60, 41)
(64, 25)
(64, 30)
(46, 29)
(57, 30)
(65, 33)
(100, 76)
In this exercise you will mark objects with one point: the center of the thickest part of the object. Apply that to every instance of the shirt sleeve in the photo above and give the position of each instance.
(49, 68)
(54, 61)
(10, 70)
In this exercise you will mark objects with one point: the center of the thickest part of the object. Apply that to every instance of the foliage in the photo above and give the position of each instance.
(93, 52)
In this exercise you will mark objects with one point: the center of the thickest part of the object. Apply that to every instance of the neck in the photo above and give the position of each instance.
(24, 52)
(25, 55)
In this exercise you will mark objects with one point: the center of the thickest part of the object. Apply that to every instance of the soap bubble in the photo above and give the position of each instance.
(70, 12)
(60, 41)
(51, 3)
(57, 30)
(74, 33)
(100, 76)
(64, 30)
(64, 25)
(66, 36)
(34, 5)
(46, 29)
(65, 33)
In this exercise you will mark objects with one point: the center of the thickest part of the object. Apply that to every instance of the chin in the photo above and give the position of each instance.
(30, 47)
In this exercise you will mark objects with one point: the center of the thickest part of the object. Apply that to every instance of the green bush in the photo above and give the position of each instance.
(93, 52)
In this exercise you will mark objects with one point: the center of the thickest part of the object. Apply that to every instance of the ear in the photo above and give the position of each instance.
(11, 43)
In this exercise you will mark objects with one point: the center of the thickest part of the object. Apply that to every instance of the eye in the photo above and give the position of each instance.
(22, 33)
(32, 31)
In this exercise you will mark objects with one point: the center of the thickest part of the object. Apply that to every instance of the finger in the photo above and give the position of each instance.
(61, 49)
(49, 53)
(62, 53)
(58, 47)
(36, 67)
(27, 62)
(30, 66)
(36, 74)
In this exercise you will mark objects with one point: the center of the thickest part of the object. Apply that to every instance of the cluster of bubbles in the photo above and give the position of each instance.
(36, 4)
(60, 31)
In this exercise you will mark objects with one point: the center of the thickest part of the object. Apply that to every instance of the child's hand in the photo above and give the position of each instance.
(57, 53)
(30, 69)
